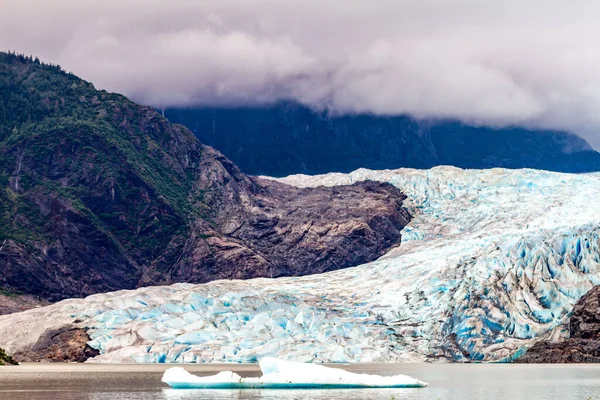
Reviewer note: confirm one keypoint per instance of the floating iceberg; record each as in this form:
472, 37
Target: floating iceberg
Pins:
280, 374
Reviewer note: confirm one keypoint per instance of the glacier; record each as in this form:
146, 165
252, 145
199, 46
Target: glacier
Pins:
492, 262
281, 374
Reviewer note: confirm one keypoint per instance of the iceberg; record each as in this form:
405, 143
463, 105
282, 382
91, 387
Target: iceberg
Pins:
281, 374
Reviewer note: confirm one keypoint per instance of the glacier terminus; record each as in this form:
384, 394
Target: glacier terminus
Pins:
492, 262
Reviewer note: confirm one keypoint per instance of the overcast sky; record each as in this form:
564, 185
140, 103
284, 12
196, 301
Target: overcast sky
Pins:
496, 62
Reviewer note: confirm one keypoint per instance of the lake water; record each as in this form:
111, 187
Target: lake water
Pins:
447, 381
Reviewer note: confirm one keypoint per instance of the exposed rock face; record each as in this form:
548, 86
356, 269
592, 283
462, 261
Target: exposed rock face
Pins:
584, 344
68, 344
585, 319
570, 351
100, 194
270, 229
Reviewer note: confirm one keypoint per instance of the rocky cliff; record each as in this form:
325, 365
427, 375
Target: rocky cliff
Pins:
99, 193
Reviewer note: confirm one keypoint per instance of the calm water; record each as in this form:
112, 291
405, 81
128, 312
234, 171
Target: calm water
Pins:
447, 381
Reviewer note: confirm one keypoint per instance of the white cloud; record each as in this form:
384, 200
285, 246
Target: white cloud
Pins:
497, 62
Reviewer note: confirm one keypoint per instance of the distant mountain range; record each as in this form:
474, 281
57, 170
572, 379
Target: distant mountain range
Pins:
288, 138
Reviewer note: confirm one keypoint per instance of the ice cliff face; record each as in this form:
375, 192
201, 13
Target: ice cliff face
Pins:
492, 261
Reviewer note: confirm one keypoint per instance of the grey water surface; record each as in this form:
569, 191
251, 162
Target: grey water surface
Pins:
446, 381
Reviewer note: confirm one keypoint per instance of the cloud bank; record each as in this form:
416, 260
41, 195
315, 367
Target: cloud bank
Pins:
496, 62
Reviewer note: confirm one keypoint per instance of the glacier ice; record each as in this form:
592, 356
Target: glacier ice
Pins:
281, 374
179, 378
492, 261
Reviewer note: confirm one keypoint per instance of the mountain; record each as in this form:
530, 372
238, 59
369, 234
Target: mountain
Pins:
492, 262
288, 138
98, 193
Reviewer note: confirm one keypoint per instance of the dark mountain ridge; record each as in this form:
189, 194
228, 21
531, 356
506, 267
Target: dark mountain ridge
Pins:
98, 193
288, 138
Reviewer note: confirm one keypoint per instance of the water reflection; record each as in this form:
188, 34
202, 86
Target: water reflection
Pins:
451, 382
249, 394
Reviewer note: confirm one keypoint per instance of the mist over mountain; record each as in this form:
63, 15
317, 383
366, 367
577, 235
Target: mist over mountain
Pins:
499, 63
288, 138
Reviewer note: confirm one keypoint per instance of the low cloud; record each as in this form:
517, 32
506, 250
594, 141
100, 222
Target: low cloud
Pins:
497, 62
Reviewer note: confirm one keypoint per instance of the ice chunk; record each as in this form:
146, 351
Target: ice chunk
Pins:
179, 378
287, 374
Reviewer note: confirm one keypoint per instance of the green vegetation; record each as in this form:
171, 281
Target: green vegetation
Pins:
72, 131
9, 292
76, 160
5, 359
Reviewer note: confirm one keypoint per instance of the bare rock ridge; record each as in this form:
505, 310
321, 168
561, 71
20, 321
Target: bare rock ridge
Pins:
583, 346
100, 194
270, 229
68, 344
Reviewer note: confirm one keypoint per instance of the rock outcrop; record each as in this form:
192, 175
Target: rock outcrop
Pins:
583, 346
585, 319
68, 344
268, 229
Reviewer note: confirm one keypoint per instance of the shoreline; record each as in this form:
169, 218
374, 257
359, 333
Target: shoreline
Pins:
254, 367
